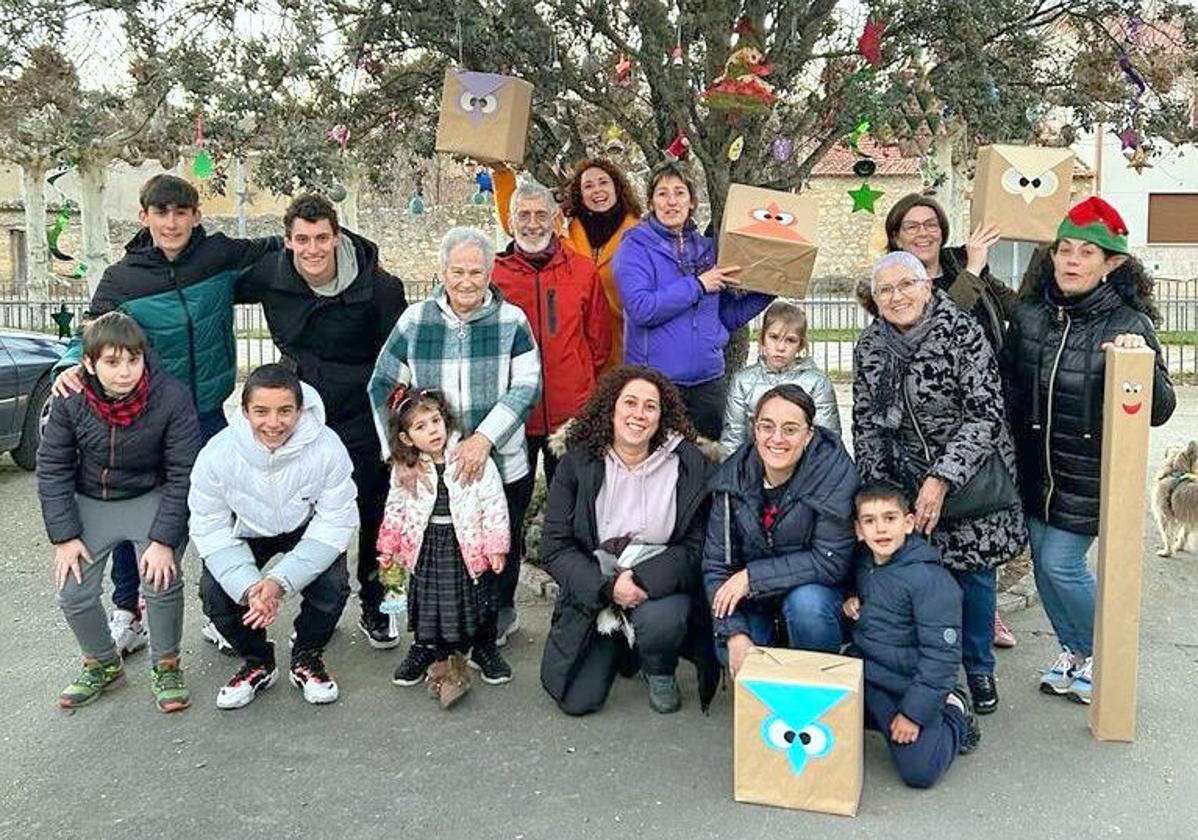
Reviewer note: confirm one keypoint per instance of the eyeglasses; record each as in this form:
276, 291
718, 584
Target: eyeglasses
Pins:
902, 287
402, 398
767, 428
930, 225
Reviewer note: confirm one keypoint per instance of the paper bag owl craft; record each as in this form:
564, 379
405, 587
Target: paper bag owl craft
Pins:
772, 236
1024, 190
484, 116
798, 731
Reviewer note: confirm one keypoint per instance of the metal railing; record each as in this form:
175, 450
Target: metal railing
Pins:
833, 325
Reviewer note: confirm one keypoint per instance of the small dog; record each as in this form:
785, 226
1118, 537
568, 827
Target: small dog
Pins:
1175, 502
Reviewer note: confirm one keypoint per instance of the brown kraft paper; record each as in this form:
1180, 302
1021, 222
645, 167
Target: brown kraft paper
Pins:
771, 235
1024, 190
484, 116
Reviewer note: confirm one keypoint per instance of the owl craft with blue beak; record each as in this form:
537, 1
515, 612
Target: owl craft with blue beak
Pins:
793, 726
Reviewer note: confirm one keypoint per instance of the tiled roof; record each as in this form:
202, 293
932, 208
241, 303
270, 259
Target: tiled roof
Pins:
840, 159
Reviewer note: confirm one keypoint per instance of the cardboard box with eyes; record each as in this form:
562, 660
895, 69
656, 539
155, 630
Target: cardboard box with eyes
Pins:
1024, 190
484, 116
772, 236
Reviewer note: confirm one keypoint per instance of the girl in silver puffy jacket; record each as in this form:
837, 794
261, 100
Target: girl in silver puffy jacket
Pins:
780, 361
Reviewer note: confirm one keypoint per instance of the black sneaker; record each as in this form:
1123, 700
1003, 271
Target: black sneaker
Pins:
488, 661
415, 665
664, 696
973, 732
984, 691
377, 629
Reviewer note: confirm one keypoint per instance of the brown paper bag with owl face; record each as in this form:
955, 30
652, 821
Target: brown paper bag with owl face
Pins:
1024, 190
798, 730
484, 116
771, 235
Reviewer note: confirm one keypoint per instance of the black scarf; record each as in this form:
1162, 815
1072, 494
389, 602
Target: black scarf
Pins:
601, 227
900, 349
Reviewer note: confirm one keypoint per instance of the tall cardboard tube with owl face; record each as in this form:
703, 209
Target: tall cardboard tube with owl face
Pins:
484, 116
1126, 417
1023, 190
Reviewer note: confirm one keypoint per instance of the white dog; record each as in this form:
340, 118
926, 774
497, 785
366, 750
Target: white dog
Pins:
1175, 502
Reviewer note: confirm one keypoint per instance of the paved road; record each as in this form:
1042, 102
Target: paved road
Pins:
385, 762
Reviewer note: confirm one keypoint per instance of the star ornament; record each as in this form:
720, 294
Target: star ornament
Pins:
864, 197
1138, 160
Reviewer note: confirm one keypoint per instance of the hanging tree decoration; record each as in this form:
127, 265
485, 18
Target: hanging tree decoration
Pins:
62, 319
737, 148
864, 197
1138, 160
870, 42
339, 134
742, 88
680, 147
612, 144
676, 54
61, 221
486, 188
202, 166
1129, 138
783, 149
416, 202
624, 71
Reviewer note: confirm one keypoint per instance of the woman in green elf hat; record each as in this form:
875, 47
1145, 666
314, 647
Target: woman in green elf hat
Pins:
1084, 293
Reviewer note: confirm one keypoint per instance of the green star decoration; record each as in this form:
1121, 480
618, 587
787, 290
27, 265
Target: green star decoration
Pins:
864, 197
63, 318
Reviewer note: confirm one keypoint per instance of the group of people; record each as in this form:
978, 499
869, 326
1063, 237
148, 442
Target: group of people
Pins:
689, 515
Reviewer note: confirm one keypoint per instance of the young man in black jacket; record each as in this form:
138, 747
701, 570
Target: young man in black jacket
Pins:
114, 466
330, 307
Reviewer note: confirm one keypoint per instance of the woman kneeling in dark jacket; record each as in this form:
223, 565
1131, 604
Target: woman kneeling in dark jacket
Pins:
780, 537
623, 535
1084, 294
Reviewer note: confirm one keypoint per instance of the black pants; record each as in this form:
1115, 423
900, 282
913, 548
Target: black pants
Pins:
372, 478
921, 763
705, 406
537, 445
660, 626
518, 494
323, 601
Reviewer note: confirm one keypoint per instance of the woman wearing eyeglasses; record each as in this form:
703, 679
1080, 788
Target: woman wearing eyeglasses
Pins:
679, 306
918, 225
928, 415
780, 537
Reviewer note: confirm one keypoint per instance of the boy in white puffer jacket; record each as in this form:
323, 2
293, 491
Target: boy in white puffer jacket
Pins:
277, 481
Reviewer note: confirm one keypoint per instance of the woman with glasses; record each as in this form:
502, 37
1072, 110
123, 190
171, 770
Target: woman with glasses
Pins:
679, 306
928, 415
780, 537
478, 350
918, 225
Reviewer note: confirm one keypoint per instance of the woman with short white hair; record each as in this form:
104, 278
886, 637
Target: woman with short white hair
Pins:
928, 415
478, 350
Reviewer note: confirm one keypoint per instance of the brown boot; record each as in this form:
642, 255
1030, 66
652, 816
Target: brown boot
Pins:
437, 672
456, 683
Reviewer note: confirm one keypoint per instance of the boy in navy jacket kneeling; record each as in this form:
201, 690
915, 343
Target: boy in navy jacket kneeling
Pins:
908, 628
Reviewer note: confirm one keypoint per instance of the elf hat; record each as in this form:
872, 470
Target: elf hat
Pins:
1096, 221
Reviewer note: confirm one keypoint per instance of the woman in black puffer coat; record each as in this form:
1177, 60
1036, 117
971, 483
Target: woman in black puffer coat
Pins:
1083, 293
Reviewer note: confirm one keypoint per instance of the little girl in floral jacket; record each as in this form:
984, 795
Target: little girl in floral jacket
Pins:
440, 547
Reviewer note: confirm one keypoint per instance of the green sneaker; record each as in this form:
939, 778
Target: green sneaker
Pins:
166, 679
95, 678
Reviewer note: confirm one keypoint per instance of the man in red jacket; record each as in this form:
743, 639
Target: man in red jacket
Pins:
562, 297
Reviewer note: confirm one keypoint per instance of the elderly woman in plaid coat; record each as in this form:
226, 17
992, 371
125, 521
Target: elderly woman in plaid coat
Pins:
467, 342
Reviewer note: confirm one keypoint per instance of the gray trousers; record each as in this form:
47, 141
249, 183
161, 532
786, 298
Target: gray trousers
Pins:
105, 526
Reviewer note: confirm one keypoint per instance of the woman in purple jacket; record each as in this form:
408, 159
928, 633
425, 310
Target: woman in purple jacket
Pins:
679, 306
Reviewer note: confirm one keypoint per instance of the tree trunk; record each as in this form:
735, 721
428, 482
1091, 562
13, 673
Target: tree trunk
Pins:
37, 249
349, 205
952, 192
93, 178
241, 193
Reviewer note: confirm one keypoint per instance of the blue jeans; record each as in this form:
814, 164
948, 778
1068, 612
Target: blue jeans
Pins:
1065, 583
811, 613
125, 578
978, 602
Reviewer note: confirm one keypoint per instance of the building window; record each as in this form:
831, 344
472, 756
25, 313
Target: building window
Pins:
1009, 259
1173, 219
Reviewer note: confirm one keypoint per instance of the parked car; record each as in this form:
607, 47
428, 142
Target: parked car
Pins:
26, 362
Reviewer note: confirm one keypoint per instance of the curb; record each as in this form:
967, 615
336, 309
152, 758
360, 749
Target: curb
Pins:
537, 582
1021, 595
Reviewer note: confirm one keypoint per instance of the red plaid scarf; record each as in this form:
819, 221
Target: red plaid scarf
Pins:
120, 412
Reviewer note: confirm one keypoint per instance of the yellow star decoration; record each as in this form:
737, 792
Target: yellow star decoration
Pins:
864, 197
1139, 161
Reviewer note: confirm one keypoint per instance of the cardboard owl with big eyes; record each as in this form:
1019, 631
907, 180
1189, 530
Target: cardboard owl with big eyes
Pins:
798, 730
772, 236
484, 116
1024, 190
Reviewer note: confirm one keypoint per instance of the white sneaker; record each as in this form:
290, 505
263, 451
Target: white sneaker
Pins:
1082, 687
245, 685
309, 675
127, 632
1058, 678
509, 623
211, 634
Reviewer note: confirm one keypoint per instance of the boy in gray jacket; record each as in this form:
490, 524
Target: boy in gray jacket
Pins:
112, 468
277, 481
